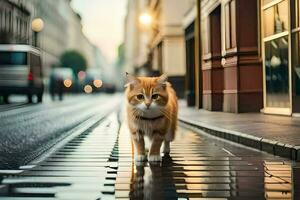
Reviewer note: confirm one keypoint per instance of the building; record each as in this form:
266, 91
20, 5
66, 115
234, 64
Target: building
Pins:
230, 68
136, 39
160, 47
14, 22
249, 60
235, 55
62, 30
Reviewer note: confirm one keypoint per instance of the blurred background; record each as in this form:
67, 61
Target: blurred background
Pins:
222, 55
59, 47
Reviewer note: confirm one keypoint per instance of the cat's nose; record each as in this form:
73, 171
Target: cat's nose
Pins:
147, 105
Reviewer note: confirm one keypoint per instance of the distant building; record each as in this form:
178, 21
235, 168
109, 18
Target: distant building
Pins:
14, 22
62, 29
159, 48
136, 39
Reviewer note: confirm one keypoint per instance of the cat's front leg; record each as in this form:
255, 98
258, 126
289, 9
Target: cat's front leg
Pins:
139, 143
154, 153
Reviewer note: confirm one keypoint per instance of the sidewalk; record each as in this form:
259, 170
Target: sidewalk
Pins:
279, 135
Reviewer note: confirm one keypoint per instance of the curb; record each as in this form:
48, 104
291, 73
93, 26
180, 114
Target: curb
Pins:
271, 146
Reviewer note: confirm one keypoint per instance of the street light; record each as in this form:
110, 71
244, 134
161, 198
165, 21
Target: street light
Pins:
37, 26
145, 19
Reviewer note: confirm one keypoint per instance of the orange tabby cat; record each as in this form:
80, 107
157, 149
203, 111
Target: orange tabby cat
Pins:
151, 111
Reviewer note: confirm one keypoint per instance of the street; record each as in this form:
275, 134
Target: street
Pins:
80, 148
28, 130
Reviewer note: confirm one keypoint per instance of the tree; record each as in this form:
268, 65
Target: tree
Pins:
74, 60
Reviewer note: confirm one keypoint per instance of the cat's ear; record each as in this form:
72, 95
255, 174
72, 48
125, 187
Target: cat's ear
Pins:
162, 79
130, 79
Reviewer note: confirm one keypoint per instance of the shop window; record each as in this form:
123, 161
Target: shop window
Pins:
276, 19
277, 73
230, 26
295, 23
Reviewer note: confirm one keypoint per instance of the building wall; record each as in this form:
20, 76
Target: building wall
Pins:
14, 22
174, 56
231, 63
136, 37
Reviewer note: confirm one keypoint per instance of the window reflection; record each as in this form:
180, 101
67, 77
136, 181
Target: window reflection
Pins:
296, 70
276, 19
276, 70
267, 1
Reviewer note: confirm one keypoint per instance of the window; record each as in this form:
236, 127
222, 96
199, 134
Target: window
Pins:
276, 70
276, 19
13, 58
230, 25
275, 26
295, 24
205, 36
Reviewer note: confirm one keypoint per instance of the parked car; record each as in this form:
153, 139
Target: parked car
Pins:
61, 81
20, 71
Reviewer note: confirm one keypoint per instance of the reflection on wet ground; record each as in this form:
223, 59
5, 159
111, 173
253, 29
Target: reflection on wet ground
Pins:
98, 164
200, 167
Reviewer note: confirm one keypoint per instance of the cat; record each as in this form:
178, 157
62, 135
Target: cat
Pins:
151, 105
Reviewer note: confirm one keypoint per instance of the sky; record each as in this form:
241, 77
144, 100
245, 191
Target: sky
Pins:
103, 23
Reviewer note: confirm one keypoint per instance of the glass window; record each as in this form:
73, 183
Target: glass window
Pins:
227, 26
277, 73
205, 36
296, 70
232, 25
267, 1
13, 58
276, 19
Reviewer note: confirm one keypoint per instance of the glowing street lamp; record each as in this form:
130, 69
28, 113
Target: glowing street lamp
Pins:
145, 19
37, 26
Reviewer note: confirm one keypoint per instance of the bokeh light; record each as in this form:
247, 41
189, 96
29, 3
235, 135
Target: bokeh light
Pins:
97, 83
88, 89
81, 75
67, 83
37, 25
145, 19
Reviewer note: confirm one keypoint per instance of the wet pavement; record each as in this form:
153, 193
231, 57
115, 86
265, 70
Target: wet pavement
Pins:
99, 164
202, 167
27, 130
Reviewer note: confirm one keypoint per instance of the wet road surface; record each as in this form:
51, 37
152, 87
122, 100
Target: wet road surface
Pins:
202, 166
98, 164
27, 130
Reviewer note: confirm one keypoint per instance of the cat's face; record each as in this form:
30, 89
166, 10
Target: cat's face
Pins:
147, 93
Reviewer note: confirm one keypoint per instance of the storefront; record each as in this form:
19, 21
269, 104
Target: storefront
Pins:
280, 26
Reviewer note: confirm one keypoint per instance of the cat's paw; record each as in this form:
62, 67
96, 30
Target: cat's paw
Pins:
140, 158
154, 158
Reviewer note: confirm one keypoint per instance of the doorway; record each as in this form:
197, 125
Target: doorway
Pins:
190, 64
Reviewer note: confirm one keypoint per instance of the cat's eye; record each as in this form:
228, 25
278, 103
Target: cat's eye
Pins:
140, 97
155, 96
